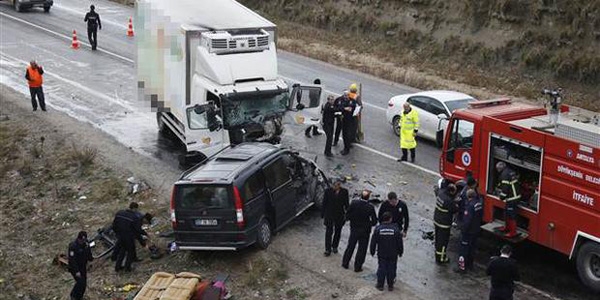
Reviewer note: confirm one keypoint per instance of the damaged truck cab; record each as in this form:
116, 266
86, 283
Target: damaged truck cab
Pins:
209, 70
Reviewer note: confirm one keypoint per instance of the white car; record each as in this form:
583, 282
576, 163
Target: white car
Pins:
433, 108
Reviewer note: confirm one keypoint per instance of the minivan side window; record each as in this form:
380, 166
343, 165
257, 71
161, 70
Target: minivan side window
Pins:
276, 174
254, 186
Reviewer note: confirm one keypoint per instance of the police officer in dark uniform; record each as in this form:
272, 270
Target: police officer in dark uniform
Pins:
445, 207
362, 217
470, 231
387, 239
93, 24
509, 192
335, 205
463, 186
79, 255
328, 118
398, 210
338, 116
128, 227
504, 272
349, 123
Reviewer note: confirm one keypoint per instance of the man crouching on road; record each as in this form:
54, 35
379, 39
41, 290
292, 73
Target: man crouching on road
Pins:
387, 240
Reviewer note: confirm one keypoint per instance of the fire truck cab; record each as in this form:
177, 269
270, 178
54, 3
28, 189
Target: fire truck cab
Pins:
558, 169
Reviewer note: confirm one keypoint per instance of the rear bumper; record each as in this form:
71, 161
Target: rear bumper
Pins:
215, 241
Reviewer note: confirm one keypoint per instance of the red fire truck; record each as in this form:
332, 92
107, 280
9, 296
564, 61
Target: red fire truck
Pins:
558, 168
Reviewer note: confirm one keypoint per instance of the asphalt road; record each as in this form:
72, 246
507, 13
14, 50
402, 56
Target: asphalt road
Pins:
99, 88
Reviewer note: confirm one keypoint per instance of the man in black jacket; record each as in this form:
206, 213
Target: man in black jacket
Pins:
79, 255
470, 231
362, 217
337, 103
445, 207
398, 210
93, 24
387, 239
329, 111
335, 205
349, 123
128, 227
504, 273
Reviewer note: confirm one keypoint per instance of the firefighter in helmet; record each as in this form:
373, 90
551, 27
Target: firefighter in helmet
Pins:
509, 192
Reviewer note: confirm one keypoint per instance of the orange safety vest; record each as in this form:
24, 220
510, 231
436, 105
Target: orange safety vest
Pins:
354, 96
35, 78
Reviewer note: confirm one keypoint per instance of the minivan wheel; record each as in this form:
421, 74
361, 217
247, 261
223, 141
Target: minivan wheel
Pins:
263, 238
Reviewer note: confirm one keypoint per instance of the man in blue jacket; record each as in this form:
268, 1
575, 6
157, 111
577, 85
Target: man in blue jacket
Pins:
470, 231
387, 240
79, 255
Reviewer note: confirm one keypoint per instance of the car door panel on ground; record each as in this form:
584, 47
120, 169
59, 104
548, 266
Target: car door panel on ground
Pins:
279, 184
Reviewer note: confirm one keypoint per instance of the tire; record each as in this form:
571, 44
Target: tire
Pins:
18, 6
395, 126
47, 8
264, 235
588, 265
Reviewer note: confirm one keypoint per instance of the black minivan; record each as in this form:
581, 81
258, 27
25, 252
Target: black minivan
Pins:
242, 195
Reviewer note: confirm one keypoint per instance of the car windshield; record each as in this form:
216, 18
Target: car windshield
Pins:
198, 196
458, 104
244, 108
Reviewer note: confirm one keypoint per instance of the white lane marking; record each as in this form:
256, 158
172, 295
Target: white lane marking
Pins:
337, 94
82, 14
396, 159
65, 37
75, 84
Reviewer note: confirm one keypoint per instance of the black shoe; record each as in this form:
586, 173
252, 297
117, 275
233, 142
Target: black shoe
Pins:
345, 152
335, 251
317, 133
390, 288
43, 109
459, 270
379, 287
34, 109
329, 154
358, 270
334, 144
412, 160
307, 135
345, 266
327, 253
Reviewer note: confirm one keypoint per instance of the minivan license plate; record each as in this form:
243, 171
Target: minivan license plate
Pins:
207, 222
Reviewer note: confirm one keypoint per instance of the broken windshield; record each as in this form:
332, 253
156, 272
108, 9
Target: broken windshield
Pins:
253, 107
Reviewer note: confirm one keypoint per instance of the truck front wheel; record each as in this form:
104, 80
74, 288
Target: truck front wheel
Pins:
588, 265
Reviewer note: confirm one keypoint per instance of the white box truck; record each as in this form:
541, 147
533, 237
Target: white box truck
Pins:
209, 70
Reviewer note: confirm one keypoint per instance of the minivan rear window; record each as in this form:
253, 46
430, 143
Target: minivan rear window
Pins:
197, 196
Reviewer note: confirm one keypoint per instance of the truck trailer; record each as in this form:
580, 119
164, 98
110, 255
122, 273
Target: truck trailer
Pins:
209, 70
558, 168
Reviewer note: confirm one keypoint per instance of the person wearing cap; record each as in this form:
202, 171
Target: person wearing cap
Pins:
387, 241
445, 207
504, 272
128, 226
353, 94
93, 24
398, 210
409, 126
469, 232
338, 116
34, 77
328, 118
335, 205
362, 217
349, 123
79, 254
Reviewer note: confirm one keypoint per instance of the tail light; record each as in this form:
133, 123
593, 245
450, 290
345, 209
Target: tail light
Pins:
390, 103
172, 210
239, 208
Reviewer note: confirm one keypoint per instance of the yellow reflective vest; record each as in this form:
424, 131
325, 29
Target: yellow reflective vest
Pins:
408, 124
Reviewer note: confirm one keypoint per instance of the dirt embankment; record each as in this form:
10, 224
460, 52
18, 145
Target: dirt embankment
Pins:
488, 47
59, 176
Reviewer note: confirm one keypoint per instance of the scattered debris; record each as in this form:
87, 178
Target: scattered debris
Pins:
370, 183
136, 186
82, 198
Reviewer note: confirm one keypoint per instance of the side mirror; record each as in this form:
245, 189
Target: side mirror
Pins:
442, 117
199, 109
439, 138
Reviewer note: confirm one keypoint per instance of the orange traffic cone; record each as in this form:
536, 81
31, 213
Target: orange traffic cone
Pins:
130, 28
75, 43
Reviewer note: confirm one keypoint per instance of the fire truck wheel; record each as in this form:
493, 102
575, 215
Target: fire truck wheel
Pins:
588, 265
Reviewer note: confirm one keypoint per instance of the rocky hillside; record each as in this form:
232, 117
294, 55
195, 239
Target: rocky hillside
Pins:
507, 46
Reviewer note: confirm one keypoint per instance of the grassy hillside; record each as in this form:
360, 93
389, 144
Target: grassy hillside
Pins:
507, 46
